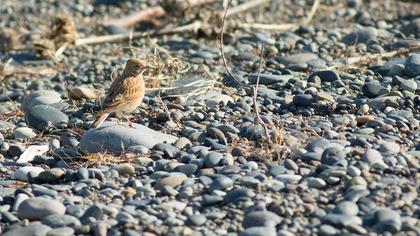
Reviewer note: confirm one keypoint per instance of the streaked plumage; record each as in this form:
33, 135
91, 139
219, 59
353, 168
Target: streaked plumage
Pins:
125, 93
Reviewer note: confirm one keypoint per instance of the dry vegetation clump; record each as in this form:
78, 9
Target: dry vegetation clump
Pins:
8, 39
63, 30
105, 158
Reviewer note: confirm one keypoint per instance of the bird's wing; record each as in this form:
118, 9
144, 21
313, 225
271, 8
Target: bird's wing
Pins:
121, 92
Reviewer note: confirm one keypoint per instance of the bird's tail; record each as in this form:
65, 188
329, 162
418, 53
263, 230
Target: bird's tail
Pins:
99, 120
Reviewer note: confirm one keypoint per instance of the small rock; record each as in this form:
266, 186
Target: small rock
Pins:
115, 138
346, 208
373, 90
62, 231
304, 100
212, 159
22, 173
372, 156
33, 229
412, 65
36, 208
173, 180
365, 36
42, 116
53, 175
80, 93
41, 97
259, 231
261, 219
24, 133
124, 169
183, 143
324, 76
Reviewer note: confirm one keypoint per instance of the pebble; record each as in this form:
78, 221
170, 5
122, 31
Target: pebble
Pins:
114, 138
173, 180
261, 219
32, 229
259, 231
372, 156
36, 208
52, 175
212, 159
22, 172
24, 133
124, 169
41, 117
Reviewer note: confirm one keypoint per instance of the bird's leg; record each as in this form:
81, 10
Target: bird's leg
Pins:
129, 122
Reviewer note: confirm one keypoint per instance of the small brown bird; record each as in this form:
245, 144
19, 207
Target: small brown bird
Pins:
125, 93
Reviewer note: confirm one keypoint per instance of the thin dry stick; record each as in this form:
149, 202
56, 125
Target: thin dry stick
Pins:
262, 26
120, 37
284, 27
222, 49
255, 90
244, 6
311, 14
164, 106
148, 14
358, 59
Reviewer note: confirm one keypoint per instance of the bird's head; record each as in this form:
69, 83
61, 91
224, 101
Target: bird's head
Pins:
134, 67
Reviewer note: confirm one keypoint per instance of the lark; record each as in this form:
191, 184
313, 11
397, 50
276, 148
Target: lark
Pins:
125, 93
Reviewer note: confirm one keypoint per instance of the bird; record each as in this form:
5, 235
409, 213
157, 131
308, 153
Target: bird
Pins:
125, 93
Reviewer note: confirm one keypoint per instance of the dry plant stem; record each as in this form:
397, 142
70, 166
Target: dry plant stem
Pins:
120, 37
164, 106
61, 50
255, 90
358, 59
244, 7
149, 13
222, 49
311, 14
283, 27
274, 27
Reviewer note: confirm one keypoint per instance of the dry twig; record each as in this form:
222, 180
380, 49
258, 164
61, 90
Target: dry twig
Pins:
222, 49
164, 106
347, 62
255, 93
120, 37
148, 14
244, 6
284, 27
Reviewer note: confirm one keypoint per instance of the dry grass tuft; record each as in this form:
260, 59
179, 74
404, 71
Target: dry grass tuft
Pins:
105, 158
44, 49
63, 30
7, 70
8, 39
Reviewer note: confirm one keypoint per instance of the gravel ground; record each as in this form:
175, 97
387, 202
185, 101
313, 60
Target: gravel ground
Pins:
344, 147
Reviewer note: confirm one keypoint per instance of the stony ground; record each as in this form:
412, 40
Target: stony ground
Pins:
340, 98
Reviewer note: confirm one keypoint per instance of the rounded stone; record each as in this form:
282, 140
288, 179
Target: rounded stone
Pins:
173, 180
261, 219
58, 221
124, 169
52, 175
346, 208
372, 156
63, 231
33, 229
41, 97
24, 133
36, 208
212, 159
116, 138
42, 116
22, 173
